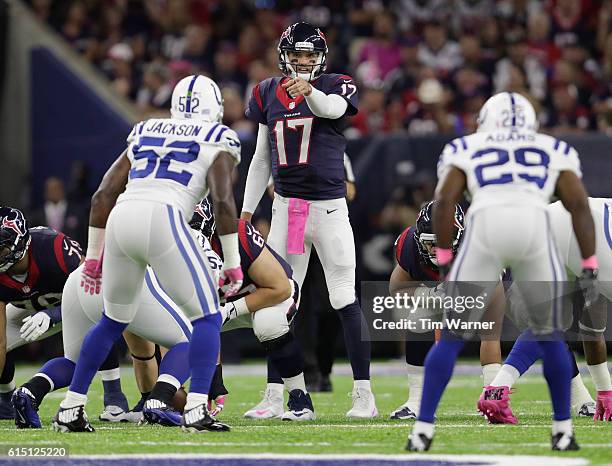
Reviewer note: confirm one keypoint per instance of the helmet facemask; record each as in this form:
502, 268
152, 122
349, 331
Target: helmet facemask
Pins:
309, 71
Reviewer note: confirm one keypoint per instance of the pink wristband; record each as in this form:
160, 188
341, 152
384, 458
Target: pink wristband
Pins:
444, 256
590, 262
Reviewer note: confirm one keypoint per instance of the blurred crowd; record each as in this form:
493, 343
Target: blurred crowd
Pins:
423, 66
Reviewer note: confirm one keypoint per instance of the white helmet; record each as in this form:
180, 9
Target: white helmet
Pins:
507, 111
197, 97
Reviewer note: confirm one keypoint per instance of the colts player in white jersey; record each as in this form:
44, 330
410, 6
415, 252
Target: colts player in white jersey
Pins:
169, 165
592, 321
511, 172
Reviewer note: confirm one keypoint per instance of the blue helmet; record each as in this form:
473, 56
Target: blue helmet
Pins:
14, 237
203, 218
425, 237
302, 37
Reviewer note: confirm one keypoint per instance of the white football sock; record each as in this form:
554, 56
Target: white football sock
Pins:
73, 399
365, 384
600, 375
506, 377
195, 399
276, 388
489, 371
416, 374
295, 383
562, 427
579, 395
421, 427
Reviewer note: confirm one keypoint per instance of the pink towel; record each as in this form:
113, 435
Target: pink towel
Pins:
296, 225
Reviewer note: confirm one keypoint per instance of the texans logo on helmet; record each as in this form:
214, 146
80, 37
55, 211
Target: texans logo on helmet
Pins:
16, 225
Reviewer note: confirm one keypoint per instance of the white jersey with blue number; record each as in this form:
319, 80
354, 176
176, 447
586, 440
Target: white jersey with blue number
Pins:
171, 157
509, 168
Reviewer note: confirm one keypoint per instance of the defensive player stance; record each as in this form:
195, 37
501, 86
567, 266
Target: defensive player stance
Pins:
592, 323
267, 299
300, 142
34, 265
168, 167
417, 264
157, 319
511, 172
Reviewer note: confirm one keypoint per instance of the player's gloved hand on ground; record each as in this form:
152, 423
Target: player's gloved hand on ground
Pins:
91, 276
216, 406
587, 281
231, 281
603, 407
34, 326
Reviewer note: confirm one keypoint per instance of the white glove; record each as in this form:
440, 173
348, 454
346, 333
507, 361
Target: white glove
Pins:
34, 326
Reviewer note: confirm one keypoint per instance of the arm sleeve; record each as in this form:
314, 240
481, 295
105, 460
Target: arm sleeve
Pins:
54, 313
259, 172
331, 106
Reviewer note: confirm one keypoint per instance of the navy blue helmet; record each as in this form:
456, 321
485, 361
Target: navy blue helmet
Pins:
203, 218
302, 37
14, 237
425, 237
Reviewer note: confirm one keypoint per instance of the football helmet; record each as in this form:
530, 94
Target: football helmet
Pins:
507, 111
197, 97
203, 219
302, 37
425, 237
14, 237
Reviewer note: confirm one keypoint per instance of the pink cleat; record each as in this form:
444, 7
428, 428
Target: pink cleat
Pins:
494, 403
603, 408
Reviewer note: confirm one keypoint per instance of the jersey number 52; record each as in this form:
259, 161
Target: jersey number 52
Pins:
160, 163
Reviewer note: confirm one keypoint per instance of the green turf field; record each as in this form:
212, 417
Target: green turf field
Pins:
459, 430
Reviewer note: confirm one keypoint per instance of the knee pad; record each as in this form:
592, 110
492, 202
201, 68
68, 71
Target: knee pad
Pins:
277, 343
341, 297
593, 320
270, 323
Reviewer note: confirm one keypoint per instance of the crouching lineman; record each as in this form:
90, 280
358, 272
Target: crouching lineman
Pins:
157, 319
266, 302
592, 324
416, 263
34, 265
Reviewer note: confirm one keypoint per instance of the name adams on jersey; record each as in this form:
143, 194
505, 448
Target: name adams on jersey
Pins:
52, 257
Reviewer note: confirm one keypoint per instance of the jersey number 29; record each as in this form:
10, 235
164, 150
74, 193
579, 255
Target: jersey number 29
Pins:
160, 163
533, 166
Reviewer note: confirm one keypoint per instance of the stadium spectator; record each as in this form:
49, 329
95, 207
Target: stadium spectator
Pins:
156, 91
437, 50
382, 50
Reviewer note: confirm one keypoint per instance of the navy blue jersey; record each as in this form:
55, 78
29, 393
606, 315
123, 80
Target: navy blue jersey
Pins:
409, 258
251, 246
307, 151
52, 257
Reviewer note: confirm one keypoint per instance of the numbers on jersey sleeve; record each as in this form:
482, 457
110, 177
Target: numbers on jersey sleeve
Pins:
189, 151
255, 236
304, 125
535, 162
348, 90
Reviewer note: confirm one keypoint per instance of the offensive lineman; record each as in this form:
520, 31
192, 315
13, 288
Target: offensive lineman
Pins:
300, 142
169, 165
511, 172
34, 265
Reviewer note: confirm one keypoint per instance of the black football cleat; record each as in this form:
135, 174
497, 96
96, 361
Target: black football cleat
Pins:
198, 420
564, 442
419, 442
72, 420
